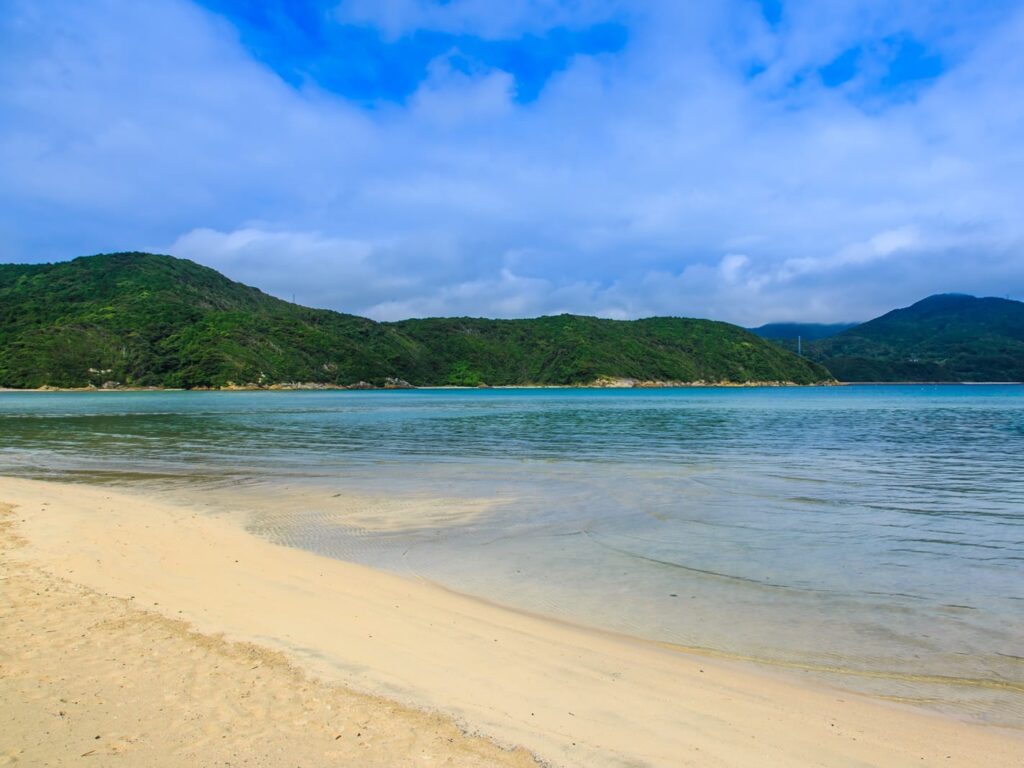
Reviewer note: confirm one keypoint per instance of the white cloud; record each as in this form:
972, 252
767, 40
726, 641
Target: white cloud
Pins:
450, 97
731, 266
878, 247
663, 180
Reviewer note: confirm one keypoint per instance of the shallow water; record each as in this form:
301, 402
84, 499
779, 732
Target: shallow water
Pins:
873, 536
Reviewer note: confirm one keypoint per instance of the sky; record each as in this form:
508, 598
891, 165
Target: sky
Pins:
780, 160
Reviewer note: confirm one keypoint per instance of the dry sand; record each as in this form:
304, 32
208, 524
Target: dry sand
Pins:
90, 679
180, 639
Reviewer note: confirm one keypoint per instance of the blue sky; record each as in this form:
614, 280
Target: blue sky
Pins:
742, 160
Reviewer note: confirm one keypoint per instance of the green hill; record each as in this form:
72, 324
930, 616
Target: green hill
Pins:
146, 320
948, 337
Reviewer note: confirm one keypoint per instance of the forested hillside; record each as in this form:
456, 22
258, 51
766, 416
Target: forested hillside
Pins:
948, 337
140, 319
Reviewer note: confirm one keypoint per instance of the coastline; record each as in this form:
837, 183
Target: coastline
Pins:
318, 387
611, 384
570, 695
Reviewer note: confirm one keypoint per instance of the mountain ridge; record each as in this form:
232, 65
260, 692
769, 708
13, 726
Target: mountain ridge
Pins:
947, 337
138, 319
805, 331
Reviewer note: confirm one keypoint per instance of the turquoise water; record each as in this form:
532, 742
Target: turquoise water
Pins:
870, 536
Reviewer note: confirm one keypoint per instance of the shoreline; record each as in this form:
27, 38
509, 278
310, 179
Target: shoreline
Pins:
314, 387
571, 695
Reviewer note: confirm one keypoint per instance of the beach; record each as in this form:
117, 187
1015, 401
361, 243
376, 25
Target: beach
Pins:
180, 638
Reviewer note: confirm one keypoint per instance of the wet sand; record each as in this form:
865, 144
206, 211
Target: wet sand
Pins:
180, 639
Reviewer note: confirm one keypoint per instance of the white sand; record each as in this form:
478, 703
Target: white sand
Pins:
572, 696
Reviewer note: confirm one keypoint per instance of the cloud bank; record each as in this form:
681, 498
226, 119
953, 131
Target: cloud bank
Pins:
739, 160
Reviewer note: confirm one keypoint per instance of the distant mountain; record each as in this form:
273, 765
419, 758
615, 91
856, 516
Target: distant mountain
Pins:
148, 320
806, 331
948, 337
786, 334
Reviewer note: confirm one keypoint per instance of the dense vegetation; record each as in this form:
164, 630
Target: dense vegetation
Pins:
146, 320
573, 349
949, 337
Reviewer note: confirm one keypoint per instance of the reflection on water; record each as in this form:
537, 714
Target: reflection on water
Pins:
873, 535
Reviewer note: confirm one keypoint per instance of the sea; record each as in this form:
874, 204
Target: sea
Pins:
867, 537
